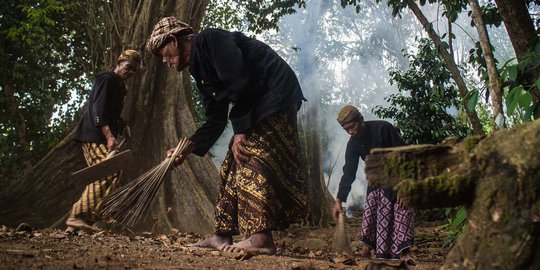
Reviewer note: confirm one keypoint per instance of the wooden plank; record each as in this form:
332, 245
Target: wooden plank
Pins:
105, 168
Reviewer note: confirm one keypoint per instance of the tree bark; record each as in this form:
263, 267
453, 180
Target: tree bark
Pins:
20, 124
520, 28
495, 85
496, 177
450, 64
518, 23
450, 39
159, 111
320, 198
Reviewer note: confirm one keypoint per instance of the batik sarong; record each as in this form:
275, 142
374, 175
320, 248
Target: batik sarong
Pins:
386, 228
266, 193
87, 207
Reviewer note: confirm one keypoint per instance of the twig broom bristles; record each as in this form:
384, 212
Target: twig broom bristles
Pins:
341, 244
131, 202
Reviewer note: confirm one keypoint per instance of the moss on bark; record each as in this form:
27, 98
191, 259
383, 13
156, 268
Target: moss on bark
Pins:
497, 177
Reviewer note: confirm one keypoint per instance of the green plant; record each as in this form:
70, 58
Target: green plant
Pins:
518, 91
456, 224
427, 105
43, 79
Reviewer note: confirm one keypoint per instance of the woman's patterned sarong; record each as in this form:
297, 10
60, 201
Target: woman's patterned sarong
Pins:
87, 207
386, 228
266, 193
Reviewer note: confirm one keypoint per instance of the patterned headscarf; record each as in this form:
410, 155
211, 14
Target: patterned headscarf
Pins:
130, 55
347, 114
165, 28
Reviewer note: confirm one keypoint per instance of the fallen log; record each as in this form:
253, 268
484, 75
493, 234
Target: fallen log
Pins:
497, 177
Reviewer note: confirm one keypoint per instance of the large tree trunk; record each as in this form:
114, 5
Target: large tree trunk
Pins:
520, 28
450, 65
319, 196
497, 177
159, 112
518, 23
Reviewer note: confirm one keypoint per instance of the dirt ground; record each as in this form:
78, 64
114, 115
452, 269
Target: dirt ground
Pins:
298, 248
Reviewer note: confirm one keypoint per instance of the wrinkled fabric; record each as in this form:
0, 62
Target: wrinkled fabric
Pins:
266, 193
165, 28
130, 55
87, 207
347, 114
386, 228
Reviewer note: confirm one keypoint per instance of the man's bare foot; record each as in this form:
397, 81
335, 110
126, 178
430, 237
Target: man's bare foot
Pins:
215, 241
407, 259
70, 230
364, 252
258, 243
76, 223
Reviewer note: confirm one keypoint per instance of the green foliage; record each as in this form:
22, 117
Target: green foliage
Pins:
517, 96
38, 75
451, 8
250, 16
455, 225
518, 91
484, 114
491, 15
264, 15
425, 97
396, 5
472, 99
225, 14
476, 58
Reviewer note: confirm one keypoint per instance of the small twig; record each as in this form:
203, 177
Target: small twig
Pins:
136, 15
113, 21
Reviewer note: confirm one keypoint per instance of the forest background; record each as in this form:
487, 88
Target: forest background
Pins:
426, 66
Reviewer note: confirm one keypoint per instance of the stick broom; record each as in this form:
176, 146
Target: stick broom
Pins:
131, 202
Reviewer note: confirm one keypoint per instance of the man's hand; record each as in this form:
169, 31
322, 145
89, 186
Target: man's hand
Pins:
240, 152
179, 158
403, 202
112, 144
337, 209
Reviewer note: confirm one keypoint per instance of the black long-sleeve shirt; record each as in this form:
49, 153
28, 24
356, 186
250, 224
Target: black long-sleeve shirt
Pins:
104, 108
378, 134
230, 68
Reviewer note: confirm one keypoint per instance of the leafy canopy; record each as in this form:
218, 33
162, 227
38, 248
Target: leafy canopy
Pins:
425, 99
38, 77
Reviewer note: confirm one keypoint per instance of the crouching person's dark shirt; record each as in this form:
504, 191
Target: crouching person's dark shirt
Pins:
104, 108
232, 69
378, 134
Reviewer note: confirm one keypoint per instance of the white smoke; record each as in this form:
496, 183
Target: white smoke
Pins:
349, 55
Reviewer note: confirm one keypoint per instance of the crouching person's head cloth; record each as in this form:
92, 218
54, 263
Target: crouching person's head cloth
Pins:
165, 28
130, 55
347, 114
